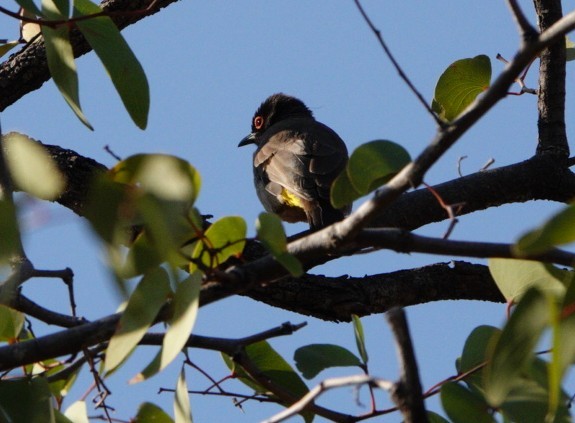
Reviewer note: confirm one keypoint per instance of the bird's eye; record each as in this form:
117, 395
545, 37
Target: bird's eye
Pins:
258, 122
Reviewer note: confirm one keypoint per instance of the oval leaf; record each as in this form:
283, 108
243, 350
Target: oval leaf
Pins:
182, 409
374, 163
62, 65
120, 62
359, 338
32, 168
343, 192
460, 84
511, 352
464, 406
141, 311
272, 235
185, 310
11, 323
151, 413
515, 277
225, 238
312, 359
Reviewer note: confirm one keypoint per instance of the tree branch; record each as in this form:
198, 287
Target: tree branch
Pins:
27, 70
551, 98
407, 392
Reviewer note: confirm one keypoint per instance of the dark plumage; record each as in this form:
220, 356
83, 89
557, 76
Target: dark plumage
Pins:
296, 162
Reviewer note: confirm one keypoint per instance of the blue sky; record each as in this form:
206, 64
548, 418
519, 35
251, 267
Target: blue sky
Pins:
210, 64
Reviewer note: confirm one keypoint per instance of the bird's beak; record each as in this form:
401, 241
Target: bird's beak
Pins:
250, 139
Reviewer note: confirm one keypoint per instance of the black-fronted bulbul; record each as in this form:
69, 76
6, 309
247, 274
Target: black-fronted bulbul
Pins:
296, 162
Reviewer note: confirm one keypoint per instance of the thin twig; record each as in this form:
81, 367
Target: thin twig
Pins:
324, 386
525, 28
397, 67
407, 392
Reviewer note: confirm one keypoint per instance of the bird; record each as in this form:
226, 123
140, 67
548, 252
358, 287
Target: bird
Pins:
296, 161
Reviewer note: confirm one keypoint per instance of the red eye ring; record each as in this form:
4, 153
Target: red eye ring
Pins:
258, 122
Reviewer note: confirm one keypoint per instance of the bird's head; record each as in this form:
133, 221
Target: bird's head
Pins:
274, 109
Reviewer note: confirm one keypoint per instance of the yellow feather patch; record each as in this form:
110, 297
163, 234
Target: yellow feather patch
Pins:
290, 199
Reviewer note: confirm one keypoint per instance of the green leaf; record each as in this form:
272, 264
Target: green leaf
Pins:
464, 406
512, 351
459, 85
570, 45
185, 310
31, 167
558, 230
435, 418
9, 231
30, 6
77, 412
120, 62
6, 47
272, 235
140, 313
374, 163
515, 277
225, 238
182, 409
62, 66
359, 338
164, 176
11, 323
56, 9
343, 192
151, 413
474, 354
528, 400
26, 400
312, 359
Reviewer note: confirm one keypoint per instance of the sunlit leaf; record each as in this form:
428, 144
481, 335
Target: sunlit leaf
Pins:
515, 277
151, 413
165, 176
272, 235
459, 85
26, 400
141, 310
359, 338
464, 406
54, 9
558, 230
29, 30
225, 238
512, 351
62, 65
182, 409
11, 323
77, 412
313, 359
32, 168
185, 310
374, 163
122, 65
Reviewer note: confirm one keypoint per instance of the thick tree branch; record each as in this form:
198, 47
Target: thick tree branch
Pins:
27, 70
551, 100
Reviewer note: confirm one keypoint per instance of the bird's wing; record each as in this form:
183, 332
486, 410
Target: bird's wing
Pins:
305, 163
